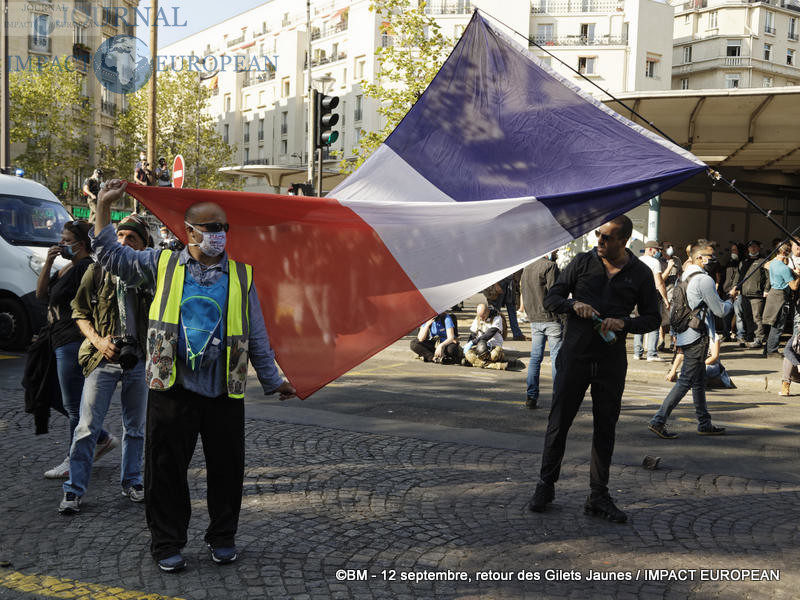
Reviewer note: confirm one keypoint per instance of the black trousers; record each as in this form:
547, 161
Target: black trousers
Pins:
427, 348
174, 419
573, 377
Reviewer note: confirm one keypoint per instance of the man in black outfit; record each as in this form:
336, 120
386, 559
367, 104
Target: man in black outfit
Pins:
605, 283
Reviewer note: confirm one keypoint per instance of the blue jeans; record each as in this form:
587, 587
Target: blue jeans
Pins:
70, 379
741, 319
549, 331
693, 376
775, 331
652, 344
100, 386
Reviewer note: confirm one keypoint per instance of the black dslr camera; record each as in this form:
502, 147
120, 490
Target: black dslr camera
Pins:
127, 345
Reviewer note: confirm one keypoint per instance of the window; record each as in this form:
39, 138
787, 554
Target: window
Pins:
650, 67
712, 19
246, 155
246, 129
261, 129
767, 82
79, 34
732, 80
545, 32
284, 122
685, 83
769, 23
344, 77
687, 54
586, 65
587, 33
246, 103
40, 36
358, 114
262, 95
285, 88
227, 103
687, 18
767, 51
361, 66
284, 147
734, 48
225, 131
790, 57
793, 28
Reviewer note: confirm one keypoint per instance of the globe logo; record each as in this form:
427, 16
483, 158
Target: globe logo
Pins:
122, 64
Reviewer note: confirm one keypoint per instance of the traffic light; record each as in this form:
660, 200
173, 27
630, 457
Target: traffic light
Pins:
325, 119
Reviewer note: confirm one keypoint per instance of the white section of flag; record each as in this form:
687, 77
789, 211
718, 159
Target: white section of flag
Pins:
448, 249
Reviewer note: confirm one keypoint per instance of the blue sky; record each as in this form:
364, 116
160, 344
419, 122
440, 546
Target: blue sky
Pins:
196, 14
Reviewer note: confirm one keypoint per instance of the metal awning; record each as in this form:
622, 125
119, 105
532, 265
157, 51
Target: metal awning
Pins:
282, 176
754, 129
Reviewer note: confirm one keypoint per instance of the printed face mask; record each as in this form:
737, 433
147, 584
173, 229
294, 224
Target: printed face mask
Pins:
213, 243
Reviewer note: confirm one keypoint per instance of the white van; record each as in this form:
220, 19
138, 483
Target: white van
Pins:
31, 221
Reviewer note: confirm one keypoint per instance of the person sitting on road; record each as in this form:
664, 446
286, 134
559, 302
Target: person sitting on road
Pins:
437, 340
485, 346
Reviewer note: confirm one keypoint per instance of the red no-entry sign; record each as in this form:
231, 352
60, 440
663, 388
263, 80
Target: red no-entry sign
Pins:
177, 171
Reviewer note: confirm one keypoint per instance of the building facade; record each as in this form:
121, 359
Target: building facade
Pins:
736, 44
48, 30
619, 44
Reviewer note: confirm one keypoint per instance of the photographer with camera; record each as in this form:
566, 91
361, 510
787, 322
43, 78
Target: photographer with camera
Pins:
113, 318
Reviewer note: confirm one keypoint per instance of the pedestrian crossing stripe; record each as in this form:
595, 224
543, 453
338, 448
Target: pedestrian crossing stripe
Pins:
55, 587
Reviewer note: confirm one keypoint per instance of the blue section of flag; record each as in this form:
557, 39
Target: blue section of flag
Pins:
494, 124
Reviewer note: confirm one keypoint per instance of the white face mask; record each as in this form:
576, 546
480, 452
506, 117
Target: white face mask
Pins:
734, 256
213, 243
670, 251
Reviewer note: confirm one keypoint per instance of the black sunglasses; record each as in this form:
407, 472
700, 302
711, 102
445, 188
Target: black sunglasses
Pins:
603, 236
213, 227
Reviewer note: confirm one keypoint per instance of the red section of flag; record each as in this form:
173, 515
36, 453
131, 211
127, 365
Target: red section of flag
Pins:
331, 293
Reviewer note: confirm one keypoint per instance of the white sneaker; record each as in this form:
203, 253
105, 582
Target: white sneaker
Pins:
135, 492
102, 449
59, 472
70, 504
656, 359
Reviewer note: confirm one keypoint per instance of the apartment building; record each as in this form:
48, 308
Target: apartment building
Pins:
620, 44
56, 29
736, 44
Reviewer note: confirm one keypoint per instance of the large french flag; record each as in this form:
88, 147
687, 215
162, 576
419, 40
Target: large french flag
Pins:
498, 162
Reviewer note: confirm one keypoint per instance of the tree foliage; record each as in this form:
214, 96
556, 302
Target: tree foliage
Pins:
183, 126
406, 66
49, 115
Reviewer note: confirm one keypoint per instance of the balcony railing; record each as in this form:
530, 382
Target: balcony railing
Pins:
39, 43
251, 79
791, 6
463, 7
695, 4
734, 61
236, 40
769, 30
579, 40
563, 7
358, 114
317, 34
257, 161
792, 36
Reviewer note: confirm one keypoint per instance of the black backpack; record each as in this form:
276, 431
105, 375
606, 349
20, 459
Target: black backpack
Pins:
681, 316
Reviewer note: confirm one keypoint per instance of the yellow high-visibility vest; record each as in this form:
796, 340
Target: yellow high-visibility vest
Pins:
164, 323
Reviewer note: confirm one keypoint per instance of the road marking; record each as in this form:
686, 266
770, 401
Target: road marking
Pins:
54, 587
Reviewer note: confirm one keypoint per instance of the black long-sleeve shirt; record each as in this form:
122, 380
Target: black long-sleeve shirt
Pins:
586, 279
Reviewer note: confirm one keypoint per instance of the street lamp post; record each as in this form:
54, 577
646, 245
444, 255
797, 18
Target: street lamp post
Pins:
201, 78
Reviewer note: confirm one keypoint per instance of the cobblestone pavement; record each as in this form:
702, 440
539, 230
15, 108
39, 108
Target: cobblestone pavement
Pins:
322, 502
